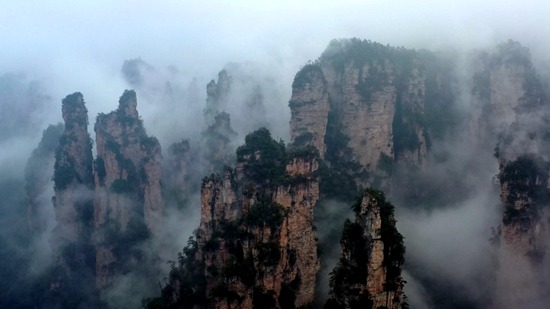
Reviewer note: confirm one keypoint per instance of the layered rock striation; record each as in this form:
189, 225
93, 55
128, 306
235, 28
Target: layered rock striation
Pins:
128, 203
256, 246
361, 103
520, 116
73, 253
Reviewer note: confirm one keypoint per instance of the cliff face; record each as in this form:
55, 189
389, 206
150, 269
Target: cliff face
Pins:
128, 204
369, 272
360, 102
524, 232
255, 247
507, 86
522, 120
73, 205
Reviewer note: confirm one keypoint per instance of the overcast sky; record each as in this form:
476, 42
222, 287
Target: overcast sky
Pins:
80, 45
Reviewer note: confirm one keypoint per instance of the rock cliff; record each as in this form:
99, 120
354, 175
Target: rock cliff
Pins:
517, 110
255, 247
128, 204
368, 274
73, 204
506, 86
361, 103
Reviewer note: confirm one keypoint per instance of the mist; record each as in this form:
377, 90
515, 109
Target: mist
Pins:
176, 48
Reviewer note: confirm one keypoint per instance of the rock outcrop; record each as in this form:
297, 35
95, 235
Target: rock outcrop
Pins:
73, 204
368, 274
256, 246
506, 86
128, 204
217, 96
361, 102
517, 110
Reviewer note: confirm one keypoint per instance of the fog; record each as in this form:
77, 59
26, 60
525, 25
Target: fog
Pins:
54, 48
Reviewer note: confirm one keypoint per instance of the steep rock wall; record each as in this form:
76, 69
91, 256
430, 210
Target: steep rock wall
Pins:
369, 272
359, 102
128, 203
73, 205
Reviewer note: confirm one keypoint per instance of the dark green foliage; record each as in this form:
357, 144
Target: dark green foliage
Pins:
356, 51
352, 270
309, 72
99, 168
440, 109
242, 269
376, 80
122, 186
265, 213
265, 158
268, 253
337, 180
526, 180
303, 139
222, 291
511, 52
337, 183
288, 293
263, 299
63, 176
405, 126
394, 248
74, 111
211, 245
386, 164
150, 143
525, 176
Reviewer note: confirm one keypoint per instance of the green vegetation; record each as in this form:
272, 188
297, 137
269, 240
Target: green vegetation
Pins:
352, 268
265, 213
265, 158
63, 176
263, 299
122, 186
303, 139
74, 111
99, 168
386, 164
269, 253
338, 172
526, 180
525, 176
308, 73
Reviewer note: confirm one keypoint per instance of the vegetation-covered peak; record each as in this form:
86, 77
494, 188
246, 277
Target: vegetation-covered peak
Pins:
128, 100
512, 52
361, 52
74, 110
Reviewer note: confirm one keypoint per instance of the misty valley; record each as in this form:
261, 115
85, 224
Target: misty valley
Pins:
391, 177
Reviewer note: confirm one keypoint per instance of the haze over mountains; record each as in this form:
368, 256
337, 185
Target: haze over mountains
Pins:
255, 130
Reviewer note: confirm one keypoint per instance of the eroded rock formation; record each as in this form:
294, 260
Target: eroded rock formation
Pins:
255, 247
369, 272
73, 204
128, 204
360, 103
